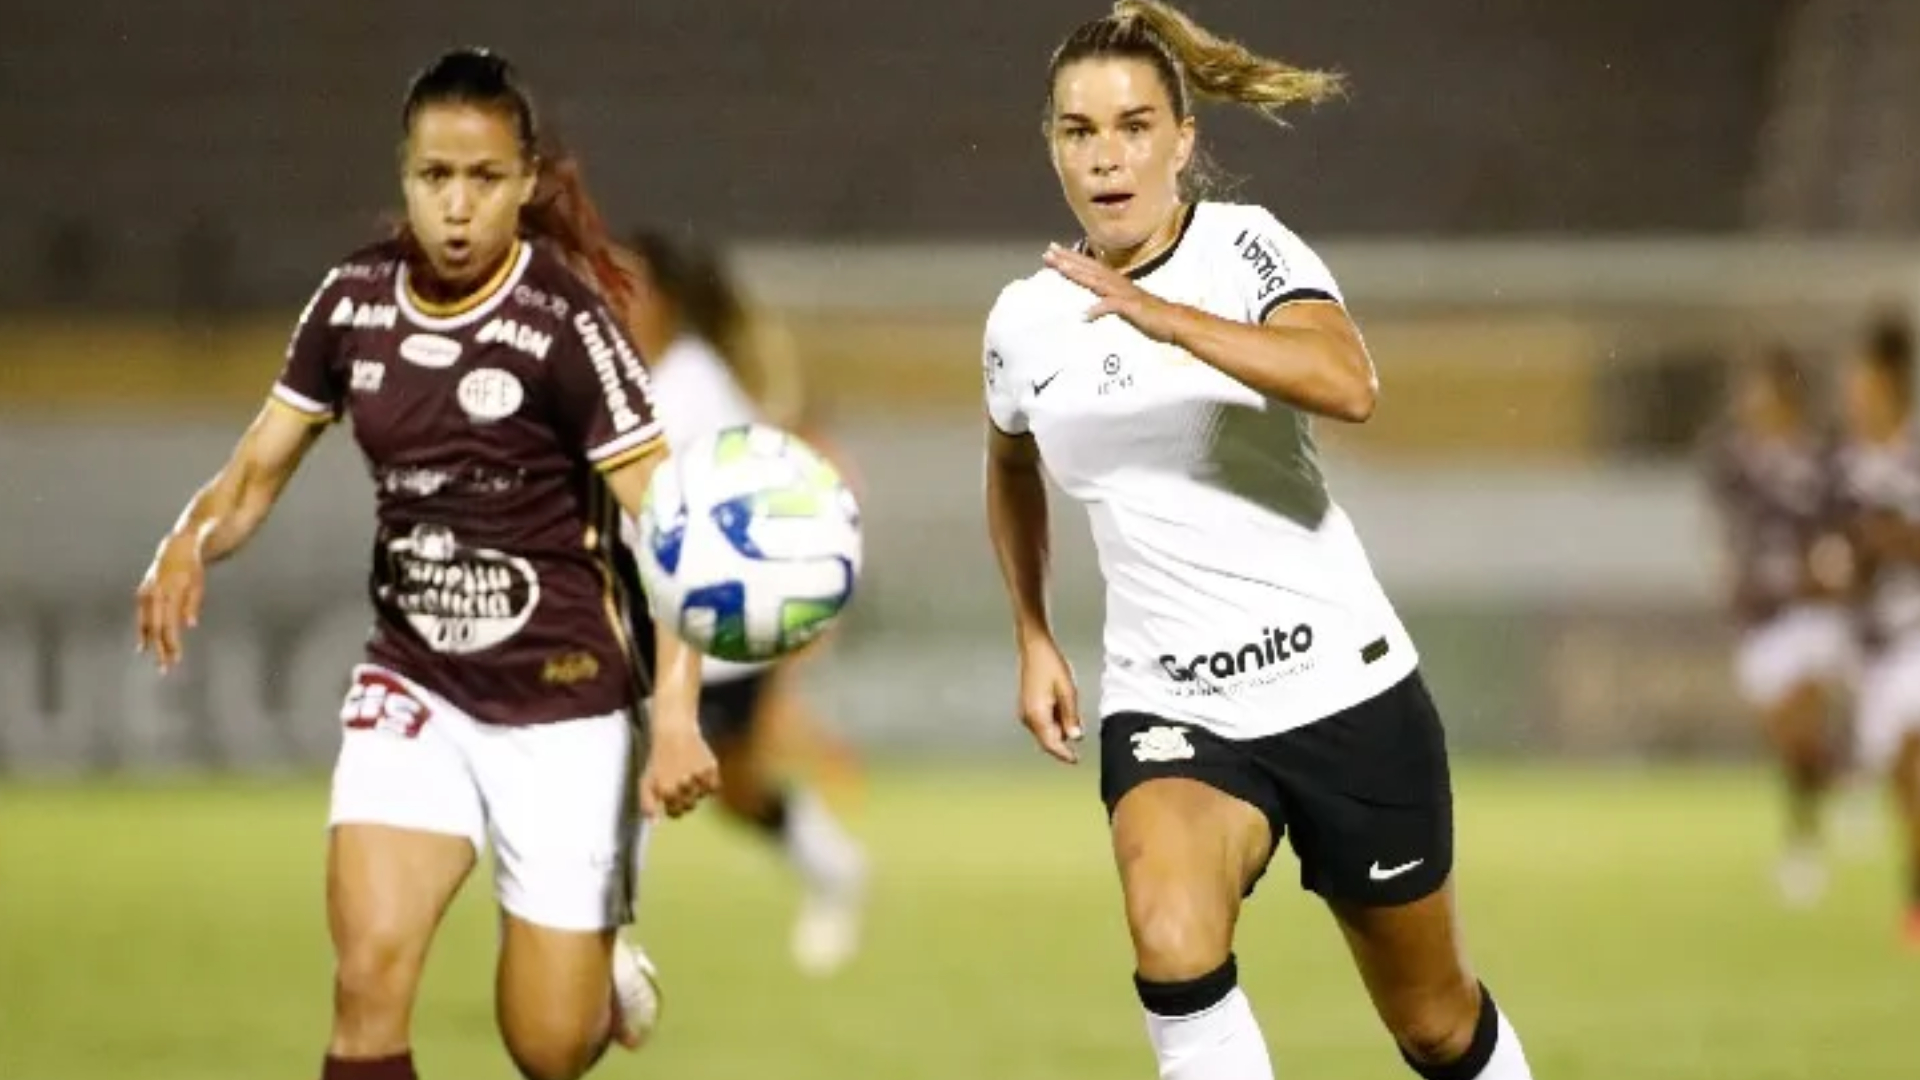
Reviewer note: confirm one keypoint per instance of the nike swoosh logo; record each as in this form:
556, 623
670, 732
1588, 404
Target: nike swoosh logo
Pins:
1378, 874
1042, 384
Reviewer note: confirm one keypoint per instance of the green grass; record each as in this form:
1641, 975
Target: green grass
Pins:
1625, 919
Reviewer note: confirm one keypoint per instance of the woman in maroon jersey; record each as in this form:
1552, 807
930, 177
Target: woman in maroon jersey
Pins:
1770, 473
505, 420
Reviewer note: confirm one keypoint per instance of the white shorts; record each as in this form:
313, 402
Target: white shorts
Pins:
1888, 708
556, 801
1805, 644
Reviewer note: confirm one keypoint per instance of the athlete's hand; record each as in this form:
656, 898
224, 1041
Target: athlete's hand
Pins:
1049, 705
1118, 294
167, 604
681, 769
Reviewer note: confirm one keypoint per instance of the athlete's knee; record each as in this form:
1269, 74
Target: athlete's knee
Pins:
375, 974
1180, 931
1436, 1025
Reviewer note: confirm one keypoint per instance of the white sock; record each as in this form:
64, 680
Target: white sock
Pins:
1509, 1062
1221, 1042
820, 850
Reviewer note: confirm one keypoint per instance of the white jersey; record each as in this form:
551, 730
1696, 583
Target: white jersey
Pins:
694, 393
1238, 596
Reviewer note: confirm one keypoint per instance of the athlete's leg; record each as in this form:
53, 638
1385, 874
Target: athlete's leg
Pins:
387, 889
1416, 972
1187, 853
1796, 724
564, 825
406, 819
1906, 788
750, 728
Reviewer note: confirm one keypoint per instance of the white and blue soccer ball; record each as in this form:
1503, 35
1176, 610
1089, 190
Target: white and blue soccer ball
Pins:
748, 543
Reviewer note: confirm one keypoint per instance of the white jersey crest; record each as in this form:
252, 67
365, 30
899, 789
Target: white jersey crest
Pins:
1238, 595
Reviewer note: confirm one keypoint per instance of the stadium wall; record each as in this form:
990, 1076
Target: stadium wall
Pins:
1556, 566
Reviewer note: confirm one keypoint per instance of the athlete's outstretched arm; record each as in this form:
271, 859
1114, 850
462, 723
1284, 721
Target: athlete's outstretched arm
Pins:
1307, 353
1018, 524
680, 769
226, 512
219, 520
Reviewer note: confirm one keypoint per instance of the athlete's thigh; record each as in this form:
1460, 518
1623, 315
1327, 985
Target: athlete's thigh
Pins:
387, 889
553, 985
405, 815
1369, 798
563, 818
1193, 823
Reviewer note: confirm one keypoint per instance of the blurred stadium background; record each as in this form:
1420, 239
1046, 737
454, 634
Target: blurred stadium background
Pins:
1559, 225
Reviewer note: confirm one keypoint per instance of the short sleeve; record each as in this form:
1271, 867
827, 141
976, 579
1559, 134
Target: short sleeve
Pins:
1271, 266
309, 382
1003, 398
602, 391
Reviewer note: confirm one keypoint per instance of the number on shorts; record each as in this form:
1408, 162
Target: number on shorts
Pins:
379, 701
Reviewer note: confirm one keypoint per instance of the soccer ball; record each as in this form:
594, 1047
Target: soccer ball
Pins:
748, 543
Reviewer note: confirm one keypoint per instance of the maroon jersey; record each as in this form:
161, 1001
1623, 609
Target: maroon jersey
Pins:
1775, 498
1884, 480
485, 426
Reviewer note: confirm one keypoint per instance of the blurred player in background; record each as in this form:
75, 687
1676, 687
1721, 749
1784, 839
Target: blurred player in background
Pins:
710, 371
504, 419
1881, 464
1258, 682
1771, 475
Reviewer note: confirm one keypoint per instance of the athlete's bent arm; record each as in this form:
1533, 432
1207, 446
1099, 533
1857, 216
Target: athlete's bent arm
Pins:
219, 520
230, 508
676, 785
1017, 522
1308, 354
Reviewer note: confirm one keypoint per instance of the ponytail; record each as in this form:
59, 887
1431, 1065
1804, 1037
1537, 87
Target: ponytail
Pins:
1195, 62
1221, 69
562, 213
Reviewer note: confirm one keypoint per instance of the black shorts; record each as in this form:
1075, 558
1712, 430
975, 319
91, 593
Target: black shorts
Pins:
727, 709
1364, 795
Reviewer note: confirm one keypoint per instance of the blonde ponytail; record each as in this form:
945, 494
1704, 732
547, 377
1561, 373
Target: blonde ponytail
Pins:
1220, 69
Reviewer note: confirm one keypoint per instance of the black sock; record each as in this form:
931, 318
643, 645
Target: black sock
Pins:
397, 1067
1190, 997
1486, 1031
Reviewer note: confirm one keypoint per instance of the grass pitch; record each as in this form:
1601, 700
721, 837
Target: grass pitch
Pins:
1626, 920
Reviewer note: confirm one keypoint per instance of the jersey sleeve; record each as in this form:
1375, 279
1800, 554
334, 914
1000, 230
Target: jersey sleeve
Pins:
309, 381
1002, 392
1271, 266
602, 391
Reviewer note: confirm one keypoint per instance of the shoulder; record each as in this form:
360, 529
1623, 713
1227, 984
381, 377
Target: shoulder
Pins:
1270, 262
369, 269
551, 290
1025, 301
1247, 232
1214, 220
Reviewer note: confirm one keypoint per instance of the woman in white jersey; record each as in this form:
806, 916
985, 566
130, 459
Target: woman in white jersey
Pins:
1257, 682
687, 315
